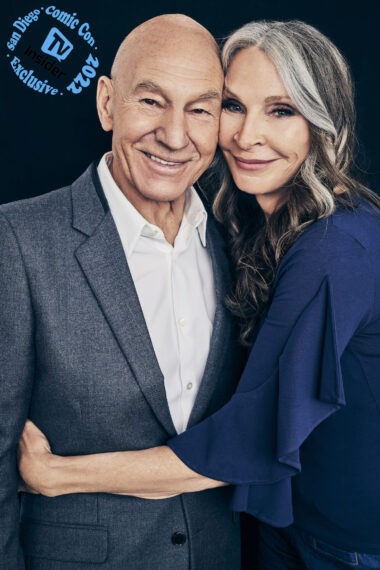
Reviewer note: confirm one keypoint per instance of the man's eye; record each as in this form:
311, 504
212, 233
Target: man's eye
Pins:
150, 102
200, 111
231, 106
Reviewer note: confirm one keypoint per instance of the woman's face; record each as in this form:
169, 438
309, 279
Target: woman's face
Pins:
263, 137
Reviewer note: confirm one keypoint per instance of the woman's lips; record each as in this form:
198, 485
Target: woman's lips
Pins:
253, 164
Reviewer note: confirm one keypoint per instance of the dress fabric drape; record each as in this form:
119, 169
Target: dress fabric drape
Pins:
323, 301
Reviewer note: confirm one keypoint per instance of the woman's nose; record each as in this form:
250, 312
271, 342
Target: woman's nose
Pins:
251, 133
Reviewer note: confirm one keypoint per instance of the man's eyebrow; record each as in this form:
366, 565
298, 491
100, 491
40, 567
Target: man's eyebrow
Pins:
151, 86
148, 85
209, 95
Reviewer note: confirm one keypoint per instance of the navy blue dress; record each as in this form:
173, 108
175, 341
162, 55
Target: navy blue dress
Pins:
300, 438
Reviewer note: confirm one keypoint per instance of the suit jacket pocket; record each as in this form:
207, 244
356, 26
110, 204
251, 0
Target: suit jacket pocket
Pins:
64, 542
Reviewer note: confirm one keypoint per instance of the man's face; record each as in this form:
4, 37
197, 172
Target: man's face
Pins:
165, 117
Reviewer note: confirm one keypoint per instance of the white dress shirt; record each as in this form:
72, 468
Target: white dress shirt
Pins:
175, 288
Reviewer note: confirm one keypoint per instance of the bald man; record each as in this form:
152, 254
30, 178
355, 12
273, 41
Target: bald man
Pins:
113, 331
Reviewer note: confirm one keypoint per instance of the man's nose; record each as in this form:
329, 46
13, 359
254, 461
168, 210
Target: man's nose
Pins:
173, 130
252, 131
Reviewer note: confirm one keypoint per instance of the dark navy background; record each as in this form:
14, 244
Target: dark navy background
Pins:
47, 141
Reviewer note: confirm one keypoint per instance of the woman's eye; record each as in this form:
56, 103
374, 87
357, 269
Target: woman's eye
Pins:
282, 112
231, 106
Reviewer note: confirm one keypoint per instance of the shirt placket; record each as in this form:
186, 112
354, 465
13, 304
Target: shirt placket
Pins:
182, 316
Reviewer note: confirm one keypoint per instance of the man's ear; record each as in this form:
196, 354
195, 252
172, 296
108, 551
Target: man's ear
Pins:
104, 102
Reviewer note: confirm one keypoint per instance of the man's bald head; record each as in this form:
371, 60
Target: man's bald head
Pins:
166, 33
163, 105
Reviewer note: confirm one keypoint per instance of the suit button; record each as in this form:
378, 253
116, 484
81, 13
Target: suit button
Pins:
179, 538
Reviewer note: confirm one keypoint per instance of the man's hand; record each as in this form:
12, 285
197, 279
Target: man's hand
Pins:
34, 459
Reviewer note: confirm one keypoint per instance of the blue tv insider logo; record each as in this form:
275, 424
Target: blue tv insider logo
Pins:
56, 59
57, 45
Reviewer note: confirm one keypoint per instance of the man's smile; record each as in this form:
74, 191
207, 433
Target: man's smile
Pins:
162, 163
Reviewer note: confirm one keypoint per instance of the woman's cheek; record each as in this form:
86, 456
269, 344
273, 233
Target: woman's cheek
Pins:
227, 129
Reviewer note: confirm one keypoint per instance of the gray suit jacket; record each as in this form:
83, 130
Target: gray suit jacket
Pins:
76, 357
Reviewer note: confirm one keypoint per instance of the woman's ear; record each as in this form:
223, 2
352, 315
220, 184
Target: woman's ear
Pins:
104, 102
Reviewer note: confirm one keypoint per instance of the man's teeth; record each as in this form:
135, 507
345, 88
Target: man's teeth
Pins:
156, 159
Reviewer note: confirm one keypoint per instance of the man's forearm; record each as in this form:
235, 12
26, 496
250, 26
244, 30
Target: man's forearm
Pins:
152, 473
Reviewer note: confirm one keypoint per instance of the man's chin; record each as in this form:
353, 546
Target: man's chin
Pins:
163, 190
164, 195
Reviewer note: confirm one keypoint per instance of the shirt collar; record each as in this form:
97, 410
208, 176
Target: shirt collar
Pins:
131, 224
195, 214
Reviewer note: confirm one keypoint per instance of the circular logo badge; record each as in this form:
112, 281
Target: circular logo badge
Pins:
53, 52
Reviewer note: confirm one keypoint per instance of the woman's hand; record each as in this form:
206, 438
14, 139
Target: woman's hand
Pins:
154, 473
39, 467
35, 461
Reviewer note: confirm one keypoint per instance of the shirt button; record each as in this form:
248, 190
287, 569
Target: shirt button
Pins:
189, 385
182, 321
178, 538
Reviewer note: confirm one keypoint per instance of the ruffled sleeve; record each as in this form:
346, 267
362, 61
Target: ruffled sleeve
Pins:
292, 383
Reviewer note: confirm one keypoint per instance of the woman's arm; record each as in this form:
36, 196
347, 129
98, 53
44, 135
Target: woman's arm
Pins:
292, 383
154, 473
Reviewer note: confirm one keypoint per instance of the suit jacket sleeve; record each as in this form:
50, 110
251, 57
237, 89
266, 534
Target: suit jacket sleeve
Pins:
16, 376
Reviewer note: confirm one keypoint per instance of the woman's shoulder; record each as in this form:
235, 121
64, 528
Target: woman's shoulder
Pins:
358, 227
347, 238
361, 223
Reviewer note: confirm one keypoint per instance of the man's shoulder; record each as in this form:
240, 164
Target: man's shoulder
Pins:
50, 208
37, 221
38, 204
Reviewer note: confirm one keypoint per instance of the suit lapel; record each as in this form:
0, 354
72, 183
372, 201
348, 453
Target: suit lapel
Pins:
222, 324
102, 259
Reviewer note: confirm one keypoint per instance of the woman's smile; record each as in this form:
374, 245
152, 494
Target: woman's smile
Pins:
263, 136
253, 164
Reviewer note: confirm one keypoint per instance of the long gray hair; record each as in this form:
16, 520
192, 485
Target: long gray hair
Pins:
318, 81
